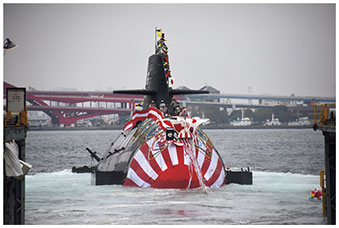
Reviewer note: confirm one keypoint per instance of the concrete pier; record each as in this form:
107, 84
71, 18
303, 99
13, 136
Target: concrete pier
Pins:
330, 176
15, 129
327, 124
14, 189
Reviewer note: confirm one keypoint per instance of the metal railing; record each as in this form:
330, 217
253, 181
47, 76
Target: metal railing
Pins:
321, 114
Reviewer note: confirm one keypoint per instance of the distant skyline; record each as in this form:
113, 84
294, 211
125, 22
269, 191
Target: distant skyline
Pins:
277, 49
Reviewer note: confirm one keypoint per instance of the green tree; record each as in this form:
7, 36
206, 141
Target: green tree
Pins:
261, 115
282, 113
222, 117
248, 113
236, 114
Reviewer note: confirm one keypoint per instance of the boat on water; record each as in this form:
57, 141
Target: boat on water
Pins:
161, 146
301, 121
272, 122
244, 121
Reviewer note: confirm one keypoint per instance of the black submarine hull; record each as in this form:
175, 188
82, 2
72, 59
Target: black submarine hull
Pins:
108, 178
118, 178
161, 146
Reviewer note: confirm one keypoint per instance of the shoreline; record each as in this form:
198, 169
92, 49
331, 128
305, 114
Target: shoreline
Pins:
203, 127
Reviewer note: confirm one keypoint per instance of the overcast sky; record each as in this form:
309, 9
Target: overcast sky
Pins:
276, 49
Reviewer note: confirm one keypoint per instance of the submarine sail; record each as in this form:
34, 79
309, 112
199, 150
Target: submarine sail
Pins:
161, 146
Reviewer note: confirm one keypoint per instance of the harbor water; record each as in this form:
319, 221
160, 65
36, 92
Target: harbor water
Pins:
285, 164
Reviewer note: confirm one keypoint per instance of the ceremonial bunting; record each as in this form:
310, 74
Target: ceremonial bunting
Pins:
137, 116
171, 167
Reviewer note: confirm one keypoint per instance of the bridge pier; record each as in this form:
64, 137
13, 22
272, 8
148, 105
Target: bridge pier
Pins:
55, 120
123, 118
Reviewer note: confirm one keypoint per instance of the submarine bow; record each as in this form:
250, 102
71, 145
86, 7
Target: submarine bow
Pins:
166, 160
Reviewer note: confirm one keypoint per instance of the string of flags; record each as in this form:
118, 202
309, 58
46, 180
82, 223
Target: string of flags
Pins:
162, 50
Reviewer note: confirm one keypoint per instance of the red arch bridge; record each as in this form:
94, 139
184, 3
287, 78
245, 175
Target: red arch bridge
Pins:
66, 108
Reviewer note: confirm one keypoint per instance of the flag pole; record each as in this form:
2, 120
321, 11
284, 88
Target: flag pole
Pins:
155, 40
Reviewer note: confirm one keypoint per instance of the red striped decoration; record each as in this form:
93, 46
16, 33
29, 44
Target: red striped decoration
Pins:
170, 167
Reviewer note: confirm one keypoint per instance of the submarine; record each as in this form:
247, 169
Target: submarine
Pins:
161, 146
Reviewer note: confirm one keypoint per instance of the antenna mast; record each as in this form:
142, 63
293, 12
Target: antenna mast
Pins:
155, 40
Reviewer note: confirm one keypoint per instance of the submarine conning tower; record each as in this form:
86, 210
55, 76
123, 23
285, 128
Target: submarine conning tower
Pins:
156, 81
159, 81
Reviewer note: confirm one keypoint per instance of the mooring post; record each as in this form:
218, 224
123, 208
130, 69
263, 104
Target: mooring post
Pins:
330, 176
328, 127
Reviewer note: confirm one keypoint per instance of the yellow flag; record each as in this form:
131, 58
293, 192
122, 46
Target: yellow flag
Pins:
159, 33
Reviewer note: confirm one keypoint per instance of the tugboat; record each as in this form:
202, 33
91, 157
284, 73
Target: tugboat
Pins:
273, 122
161, 146
244, 121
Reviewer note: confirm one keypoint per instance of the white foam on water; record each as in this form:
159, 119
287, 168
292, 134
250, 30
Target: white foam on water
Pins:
274, 198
